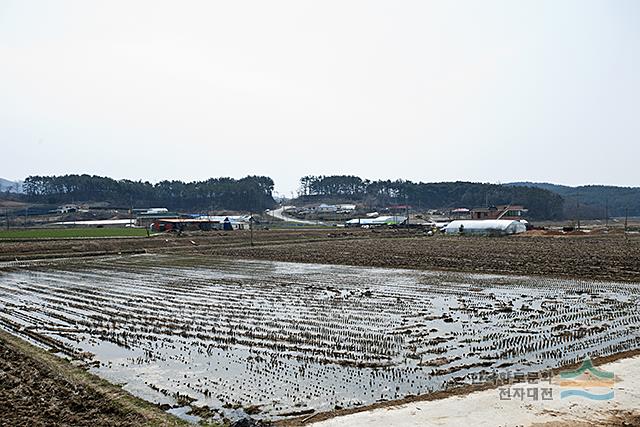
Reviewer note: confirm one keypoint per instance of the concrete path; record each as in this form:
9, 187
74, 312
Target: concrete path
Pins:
486, 408
279, 213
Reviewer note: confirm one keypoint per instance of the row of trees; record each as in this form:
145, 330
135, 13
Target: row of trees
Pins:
246, 194
254, 193
336, 185
542, 204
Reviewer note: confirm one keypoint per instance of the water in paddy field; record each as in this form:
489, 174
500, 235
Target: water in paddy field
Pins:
284, 338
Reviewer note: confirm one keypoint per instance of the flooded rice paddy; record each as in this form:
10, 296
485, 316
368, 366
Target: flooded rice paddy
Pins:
277, 339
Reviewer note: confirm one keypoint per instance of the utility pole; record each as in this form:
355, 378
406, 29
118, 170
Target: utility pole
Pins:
6, 216
251, 227
626, 222
578, 208
26, 214
606, 213
406, 209
131, 211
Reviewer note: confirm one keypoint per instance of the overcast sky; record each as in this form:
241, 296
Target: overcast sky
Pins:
490, 91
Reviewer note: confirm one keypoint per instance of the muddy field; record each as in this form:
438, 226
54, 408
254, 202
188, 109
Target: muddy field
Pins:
591, 257
277, 340
598, 257
47, 248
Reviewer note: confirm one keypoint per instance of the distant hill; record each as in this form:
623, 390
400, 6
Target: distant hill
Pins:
556, 188
10, 186
594, 200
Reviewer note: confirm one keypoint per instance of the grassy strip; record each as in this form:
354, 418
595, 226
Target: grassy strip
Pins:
152, 415
57, 233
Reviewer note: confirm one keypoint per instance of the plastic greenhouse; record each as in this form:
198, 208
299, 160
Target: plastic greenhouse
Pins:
487, 227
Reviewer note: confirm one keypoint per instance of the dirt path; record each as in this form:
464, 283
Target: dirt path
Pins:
486, 408
38, 388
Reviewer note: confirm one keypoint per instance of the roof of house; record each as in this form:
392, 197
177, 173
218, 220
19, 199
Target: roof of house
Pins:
500, 208
223, 218
388, 219
99, 222
187, 220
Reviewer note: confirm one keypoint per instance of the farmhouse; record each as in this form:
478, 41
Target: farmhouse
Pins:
499, 212
346, 208
66, 209
460, 213
230, 222
147, 217
181, 224
324, 208
203, 222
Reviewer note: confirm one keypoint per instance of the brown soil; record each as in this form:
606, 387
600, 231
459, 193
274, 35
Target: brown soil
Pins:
48, 248
598, 257
12, 204
591, 257
38, 388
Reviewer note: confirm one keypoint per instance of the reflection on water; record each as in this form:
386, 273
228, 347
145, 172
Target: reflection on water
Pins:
281, 338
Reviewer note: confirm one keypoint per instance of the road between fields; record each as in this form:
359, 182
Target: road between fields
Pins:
279, 213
